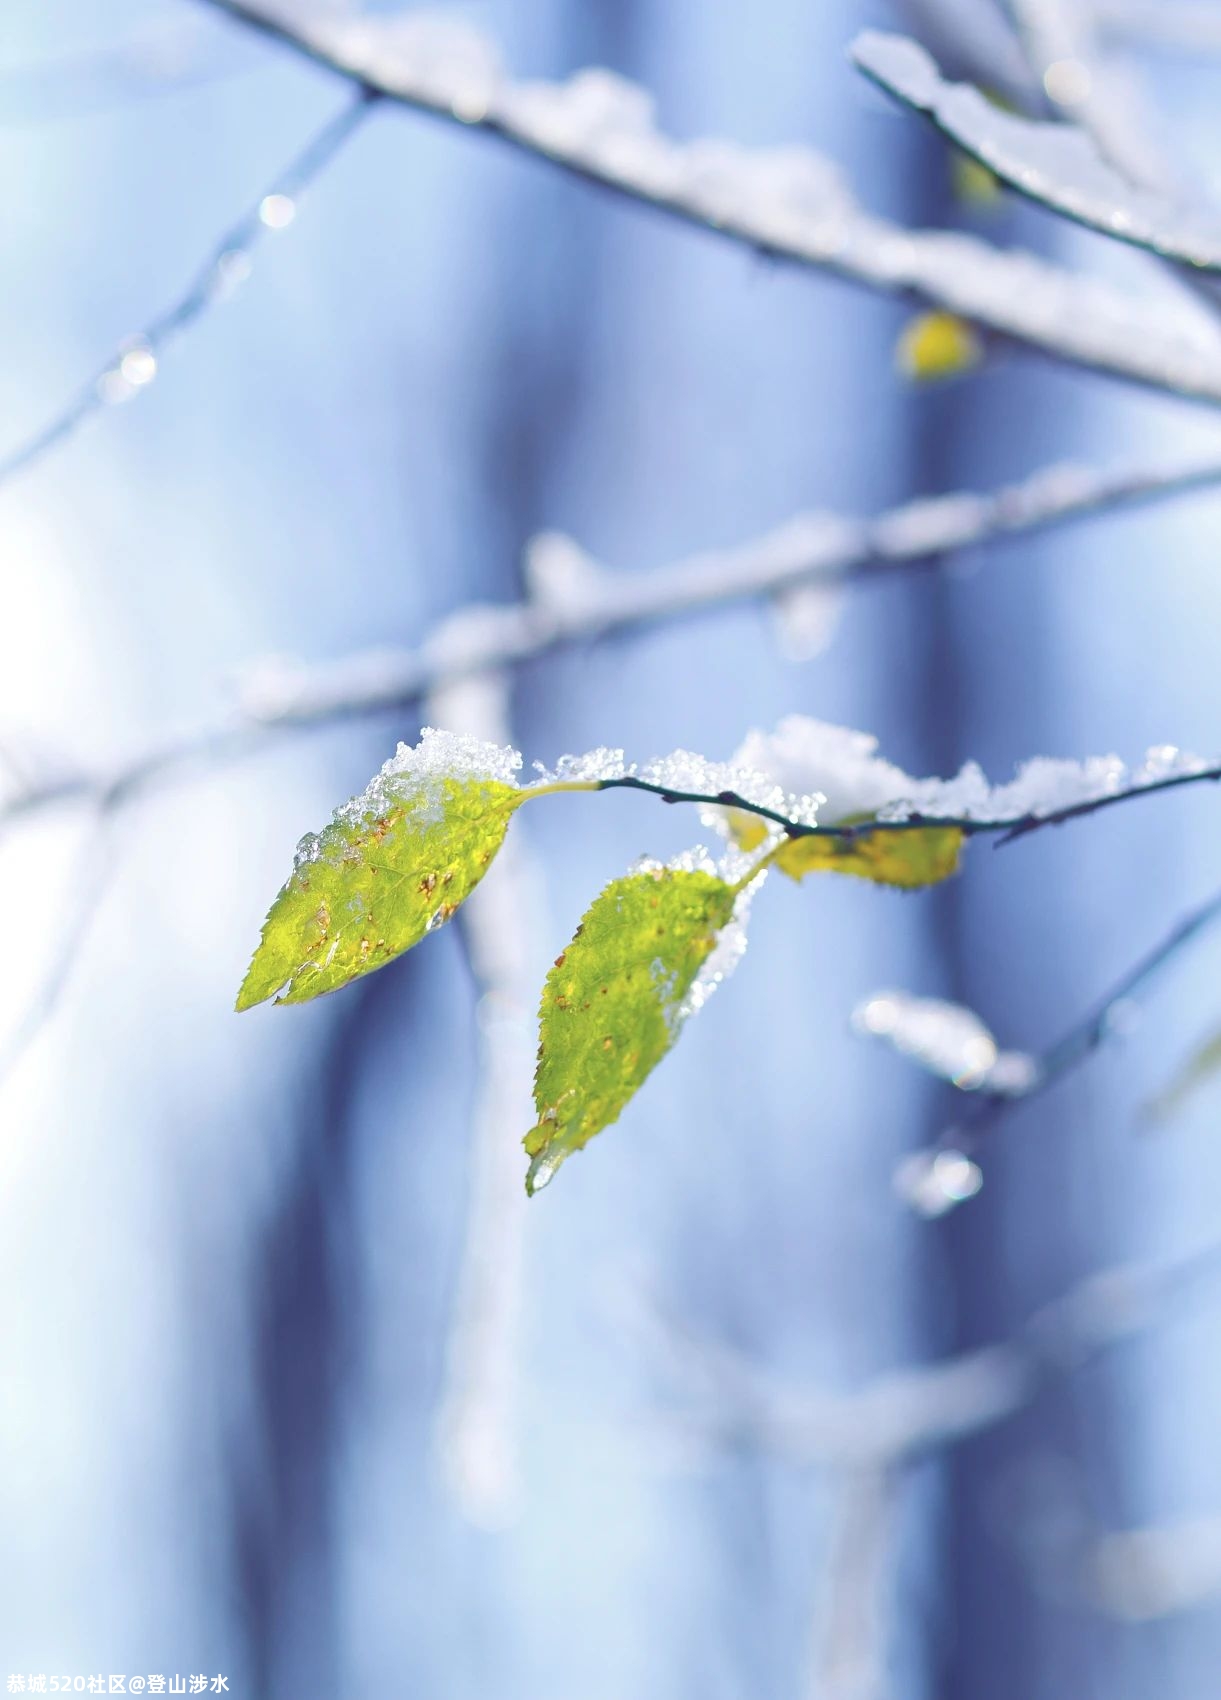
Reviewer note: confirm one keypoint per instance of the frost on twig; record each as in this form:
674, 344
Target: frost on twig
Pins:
136, 362
1056, 164
789, 203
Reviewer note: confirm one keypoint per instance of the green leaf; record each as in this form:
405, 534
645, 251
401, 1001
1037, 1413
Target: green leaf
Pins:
920, 856
393, 865
615, 1001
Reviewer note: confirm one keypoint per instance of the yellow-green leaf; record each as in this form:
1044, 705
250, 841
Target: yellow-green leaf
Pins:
391, 866
937, 345
917, 857
1201, 1067
615, 1000
972, 181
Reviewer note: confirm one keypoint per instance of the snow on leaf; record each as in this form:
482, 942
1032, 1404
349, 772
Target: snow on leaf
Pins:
394, 863
1056, 164
646, 954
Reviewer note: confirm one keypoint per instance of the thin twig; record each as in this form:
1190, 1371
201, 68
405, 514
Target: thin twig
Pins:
1011, 828
85, 890
910, 1413
811, 549
135, 362
1064, 315
1085, 1036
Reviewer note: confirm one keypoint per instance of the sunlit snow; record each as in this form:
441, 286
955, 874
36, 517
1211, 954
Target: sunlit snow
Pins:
1058, 164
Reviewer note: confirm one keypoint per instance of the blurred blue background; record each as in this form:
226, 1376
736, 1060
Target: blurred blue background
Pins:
247, 1422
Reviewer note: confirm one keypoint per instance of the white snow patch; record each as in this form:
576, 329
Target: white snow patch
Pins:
419, 770
807, 757
934, 1182
1057, 164
948, 1040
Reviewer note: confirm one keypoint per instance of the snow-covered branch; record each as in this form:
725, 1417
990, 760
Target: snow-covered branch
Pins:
574, 601
1056, 164
1023, 805
790, 203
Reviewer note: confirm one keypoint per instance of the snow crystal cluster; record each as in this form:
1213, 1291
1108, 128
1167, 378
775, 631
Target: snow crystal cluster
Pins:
1056, 163
682, 773
730, 946
948, 1040
810, 758
420, 770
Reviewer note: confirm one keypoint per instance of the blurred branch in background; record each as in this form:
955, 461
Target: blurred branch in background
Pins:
850, 1654
906, 1415
1086, 82
86, 886
136, 360
153, 61
789, 204
871, 1438
943, 1175
570, 599
477, 1424
1189, 25
574, 602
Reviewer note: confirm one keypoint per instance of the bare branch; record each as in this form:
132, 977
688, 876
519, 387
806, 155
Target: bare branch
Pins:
790, 205
809, 550
928, 1408
1082, 1039
85, 890
849, 1660
136, 362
